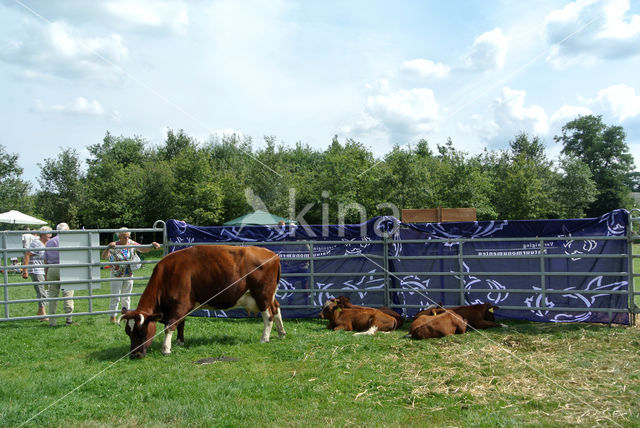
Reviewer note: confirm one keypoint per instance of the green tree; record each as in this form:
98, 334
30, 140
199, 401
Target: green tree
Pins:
402, 179
198, 198
524, 180
229, 158
14, 192
113, 183
61, 193
604, 149
458, 181
342, 183
575, 190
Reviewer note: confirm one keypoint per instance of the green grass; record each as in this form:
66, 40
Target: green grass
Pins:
528, 374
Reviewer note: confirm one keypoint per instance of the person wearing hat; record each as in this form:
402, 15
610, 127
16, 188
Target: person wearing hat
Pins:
121, 251
35, 256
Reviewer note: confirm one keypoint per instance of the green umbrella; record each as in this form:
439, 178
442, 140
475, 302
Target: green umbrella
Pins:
257, 217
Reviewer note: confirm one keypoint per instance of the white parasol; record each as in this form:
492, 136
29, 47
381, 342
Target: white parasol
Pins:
16, 217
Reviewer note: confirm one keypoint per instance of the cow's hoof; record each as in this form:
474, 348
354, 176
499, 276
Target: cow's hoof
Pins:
165, 352
263, 340
504, 325
282, 335
179, 343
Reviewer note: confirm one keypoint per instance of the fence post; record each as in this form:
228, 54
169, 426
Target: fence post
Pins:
5, 274
165, 236
312, 279
385, 249
630, 273
543, 278
461, 271
90, 269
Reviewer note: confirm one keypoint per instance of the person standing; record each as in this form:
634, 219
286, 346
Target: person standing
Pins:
35, 256
27, 237
52, 257
123, 284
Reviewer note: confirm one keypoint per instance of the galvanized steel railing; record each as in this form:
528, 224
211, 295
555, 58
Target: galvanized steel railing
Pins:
382, 260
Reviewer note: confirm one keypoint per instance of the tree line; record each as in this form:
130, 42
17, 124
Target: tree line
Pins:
127, 182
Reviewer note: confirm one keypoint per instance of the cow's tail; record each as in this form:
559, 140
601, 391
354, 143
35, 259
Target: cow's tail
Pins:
275, 306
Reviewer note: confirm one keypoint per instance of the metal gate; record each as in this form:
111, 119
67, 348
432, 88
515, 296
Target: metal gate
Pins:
81, 270
18, 304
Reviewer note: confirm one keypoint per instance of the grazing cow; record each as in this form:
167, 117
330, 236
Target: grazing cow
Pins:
444, 324
218, 277
364, 320
478, 316
344, 302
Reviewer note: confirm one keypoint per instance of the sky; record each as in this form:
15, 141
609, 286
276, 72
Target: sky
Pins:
382, 73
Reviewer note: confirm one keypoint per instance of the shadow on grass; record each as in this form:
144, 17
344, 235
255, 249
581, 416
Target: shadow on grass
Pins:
110, 354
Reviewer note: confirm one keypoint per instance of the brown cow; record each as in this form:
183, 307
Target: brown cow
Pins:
364, 320
478, 316
444, 324
218, 277
344, 302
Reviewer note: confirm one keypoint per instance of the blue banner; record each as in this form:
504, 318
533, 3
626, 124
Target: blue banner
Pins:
416, 281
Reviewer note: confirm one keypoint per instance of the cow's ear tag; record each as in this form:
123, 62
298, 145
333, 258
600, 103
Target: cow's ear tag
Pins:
490, 309
338, 308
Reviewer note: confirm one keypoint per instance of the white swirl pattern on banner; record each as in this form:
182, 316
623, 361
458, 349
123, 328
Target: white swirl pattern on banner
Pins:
583, 300
437, 231
360, 285
472, 281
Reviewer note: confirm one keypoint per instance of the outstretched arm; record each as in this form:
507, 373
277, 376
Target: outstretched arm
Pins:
147, 249
105, 253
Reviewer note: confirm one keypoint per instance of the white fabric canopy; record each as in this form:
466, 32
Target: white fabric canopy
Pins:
16, 217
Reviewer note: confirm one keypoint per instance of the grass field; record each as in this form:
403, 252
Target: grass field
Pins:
528, 374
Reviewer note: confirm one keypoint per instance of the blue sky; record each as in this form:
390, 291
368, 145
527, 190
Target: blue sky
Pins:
380, 72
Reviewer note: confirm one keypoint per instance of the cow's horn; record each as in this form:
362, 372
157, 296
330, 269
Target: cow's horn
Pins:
119, 319
141, 319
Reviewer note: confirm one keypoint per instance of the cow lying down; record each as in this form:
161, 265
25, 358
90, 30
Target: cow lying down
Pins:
344, 302
218, 277
434, 326
361, 319
478, 316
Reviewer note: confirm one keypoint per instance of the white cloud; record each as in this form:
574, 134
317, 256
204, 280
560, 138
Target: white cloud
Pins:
507, 117
590, 29
620, 101
426, 69
173, 15
79, 106
510, 111
489, 51
404, 112
394, 116
159, 16
567, 113
57, 49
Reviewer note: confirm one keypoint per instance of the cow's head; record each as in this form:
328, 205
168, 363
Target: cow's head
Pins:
141, 328
342, 301
328, 308
488, 313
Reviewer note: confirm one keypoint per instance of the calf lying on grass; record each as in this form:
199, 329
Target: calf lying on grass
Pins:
344, 302
478, 316
433, 326
364, 320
